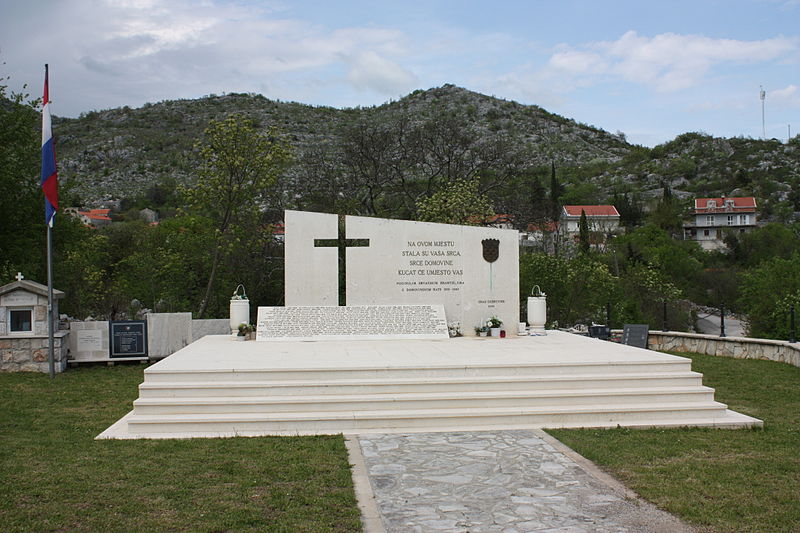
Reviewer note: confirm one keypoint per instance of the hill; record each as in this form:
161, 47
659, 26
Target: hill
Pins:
347, 159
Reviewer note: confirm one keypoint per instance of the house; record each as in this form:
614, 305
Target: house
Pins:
540, 234
278, 230
602, 219
502, 221
713, 217
92, 217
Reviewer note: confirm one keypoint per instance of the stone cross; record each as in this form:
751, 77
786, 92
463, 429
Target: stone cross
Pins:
342, 243
19, 276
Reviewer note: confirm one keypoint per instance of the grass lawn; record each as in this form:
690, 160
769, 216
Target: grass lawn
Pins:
55, 477
720, 480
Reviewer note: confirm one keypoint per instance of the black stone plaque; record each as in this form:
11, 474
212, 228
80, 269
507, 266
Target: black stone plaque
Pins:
128, 338
600, 332
635, 335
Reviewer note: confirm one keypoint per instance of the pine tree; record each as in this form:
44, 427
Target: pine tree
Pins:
583, 232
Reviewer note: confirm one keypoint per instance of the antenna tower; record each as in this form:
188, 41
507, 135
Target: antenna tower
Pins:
763, 95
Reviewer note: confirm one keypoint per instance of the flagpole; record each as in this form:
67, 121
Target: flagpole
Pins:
50, 189
50, 352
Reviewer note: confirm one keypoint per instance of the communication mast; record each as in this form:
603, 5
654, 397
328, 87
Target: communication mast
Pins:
763, 95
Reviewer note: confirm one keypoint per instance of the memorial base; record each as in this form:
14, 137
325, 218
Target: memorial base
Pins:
216, 388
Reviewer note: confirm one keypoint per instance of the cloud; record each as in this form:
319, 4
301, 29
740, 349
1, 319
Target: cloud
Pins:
132, 51
789, 96
368, 70
668, 62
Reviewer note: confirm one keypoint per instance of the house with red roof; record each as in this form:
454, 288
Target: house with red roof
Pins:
603, 219
713, 217
92, 217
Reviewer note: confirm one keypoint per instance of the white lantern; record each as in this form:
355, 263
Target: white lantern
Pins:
240, 310
537, 310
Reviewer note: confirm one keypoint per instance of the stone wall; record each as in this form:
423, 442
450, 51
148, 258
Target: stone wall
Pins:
737, 347
30, 354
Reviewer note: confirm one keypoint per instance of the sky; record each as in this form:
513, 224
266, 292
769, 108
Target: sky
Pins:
651, 69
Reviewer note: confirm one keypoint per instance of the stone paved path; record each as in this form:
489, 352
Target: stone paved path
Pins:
503, 481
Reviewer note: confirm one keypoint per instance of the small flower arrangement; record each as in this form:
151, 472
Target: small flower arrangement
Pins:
237, 296
494, 322
481, 330
245, 329
454, 329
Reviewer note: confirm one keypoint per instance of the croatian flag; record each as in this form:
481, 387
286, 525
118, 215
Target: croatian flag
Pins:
49, 173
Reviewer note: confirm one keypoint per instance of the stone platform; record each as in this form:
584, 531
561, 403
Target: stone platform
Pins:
219, 387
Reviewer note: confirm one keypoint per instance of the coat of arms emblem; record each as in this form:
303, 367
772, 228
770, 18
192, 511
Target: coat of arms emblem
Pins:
491, 249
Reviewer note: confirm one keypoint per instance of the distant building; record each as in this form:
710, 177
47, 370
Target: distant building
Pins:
92, 217
712, 217
602, 219
500, 221
278, 231
543, 234
148, 215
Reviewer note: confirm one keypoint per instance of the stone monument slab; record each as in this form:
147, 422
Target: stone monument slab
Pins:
88, 340
209, 326
635, 335
472, 271
360, 322
168, 333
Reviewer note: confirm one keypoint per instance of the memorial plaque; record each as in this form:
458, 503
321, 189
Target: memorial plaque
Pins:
635, 335
358, 322
18, 298
128, 338
89, 340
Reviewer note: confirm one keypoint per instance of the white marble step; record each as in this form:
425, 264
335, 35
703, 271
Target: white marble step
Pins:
153, 374
389, 385
425, 400
597, 415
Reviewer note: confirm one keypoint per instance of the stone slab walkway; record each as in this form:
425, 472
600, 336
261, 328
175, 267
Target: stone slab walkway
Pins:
503, 481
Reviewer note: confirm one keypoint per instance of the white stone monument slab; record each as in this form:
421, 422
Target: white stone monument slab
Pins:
360, 322
472, 271
88, 340
209, 326
167, 333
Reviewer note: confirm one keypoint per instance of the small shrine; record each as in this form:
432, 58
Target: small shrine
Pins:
24, 338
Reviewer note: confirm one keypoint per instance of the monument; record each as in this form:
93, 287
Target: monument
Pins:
361, 346
350, 260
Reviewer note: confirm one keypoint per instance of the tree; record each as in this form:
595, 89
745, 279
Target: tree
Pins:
761, 244
457, 203
767, 292
630, 210
556, 191
583, 232
22, 228
668, 213
238, 166
577, 289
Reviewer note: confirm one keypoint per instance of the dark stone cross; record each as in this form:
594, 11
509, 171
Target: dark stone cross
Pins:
342, 243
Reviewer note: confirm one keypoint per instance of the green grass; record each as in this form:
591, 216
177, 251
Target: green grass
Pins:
720, 480
55, 477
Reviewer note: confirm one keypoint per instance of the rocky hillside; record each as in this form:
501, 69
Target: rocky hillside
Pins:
118, 152
437, 134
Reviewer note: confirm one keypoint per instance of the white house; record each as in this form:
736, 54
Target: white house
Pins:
713, 216
601, 218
